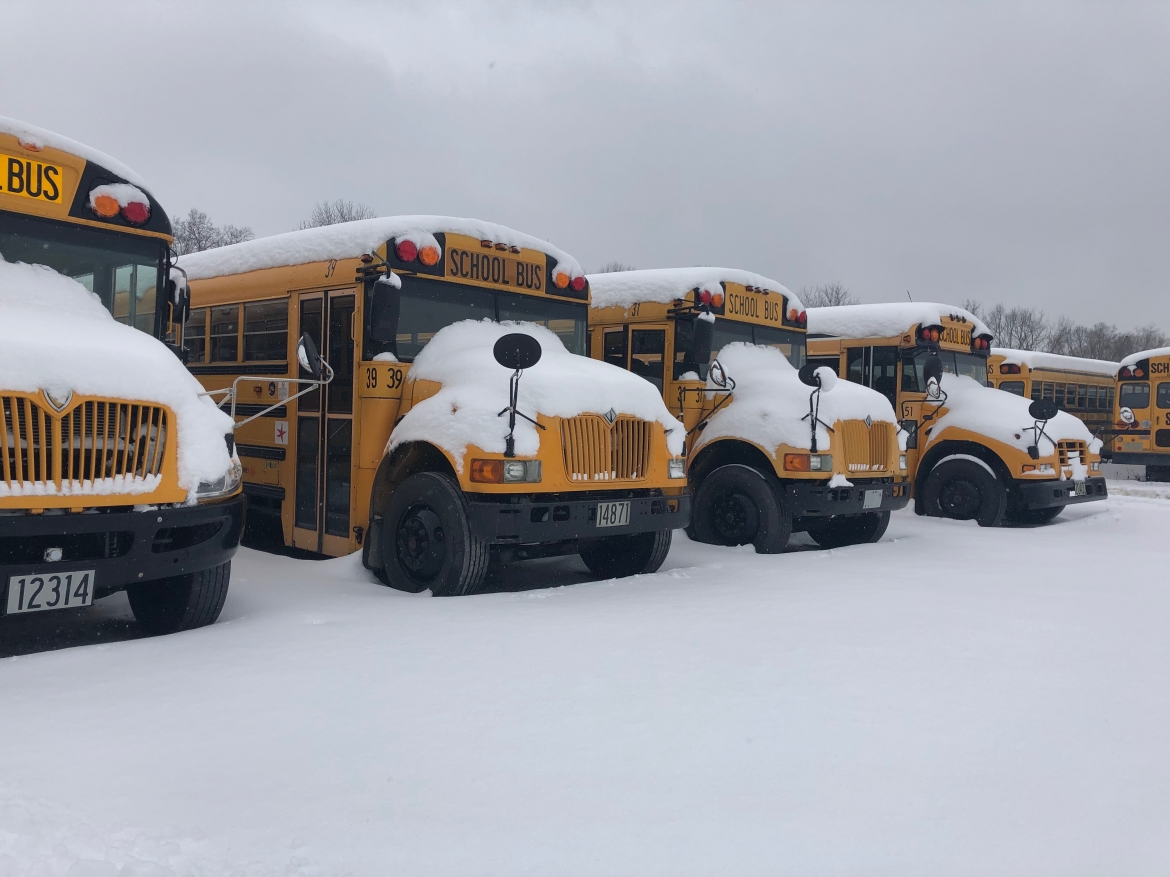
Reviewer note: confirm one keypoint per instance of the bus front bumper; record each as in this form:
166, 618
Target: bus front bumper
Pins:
531, 520
122, 548
817, 500
1046, 494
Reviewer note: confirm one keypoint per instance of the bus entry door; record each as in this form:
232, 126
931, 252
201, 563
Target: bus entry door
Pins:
324, 429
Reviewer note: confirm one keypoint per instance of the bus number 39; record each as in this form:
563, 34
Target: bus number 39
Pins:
393, 378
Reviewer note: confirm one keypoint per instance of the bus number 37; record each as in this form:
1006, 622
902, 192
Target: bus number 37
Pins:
393, 378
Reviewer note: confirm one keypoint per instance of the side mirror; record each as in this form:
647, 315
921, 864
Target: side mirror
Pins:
1042, 409
308, 357
701, 341
517, 351
808, 374
180, 300
932, 369
717, 375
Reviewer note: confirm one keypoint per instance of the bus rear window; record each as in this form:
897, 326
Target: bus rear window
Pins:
1164, 395
1135, 395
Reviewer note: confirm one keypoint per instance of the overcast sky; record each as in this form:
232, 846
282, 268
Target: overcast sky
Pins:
1006, 152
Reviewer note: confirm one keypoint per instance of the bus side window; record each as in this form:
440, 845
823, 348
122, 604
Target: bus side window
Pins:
1059, 398
855, 365
1082, 396
1048, 391
225, 333
1036, 388
1093, 398
615, 348
648, 354
195, 335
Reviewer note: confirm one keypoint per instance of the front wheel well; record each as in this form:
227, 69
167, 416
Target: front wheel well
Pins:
726, 452
405, 460
945, 449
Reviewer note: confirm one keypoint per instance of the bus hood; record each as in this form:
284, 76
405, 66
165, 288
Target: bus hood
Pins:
56, 336
466, 409
770, 400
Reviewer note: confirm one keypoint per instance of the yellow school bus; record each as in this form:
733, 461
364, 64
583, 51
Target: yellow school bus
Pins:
972, 454
114, 473
417, 451
1082, 387
766, 457
1142, 413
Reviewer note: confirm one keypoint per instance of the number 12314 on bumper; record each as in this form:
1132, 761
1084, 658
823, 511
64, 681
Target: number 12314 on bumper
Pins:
63, 590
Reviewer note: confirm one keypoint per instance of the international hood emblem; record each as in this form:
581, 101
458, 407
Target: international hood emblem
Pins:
610, 416
868, 421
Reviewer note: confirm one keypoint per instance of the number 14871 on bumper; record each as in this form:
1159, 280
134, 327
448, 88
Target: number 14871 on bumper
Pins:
50, 591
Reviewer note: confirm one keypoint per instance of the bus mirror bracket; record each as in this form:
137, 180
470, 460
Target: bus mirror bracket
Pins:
809, 377
1041, 411
517, 351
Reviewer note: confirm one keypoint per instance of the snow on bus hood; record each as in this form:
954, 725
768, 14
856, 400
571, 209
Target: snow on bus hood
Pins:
1004, 417
55, 335
475, 387
770, 400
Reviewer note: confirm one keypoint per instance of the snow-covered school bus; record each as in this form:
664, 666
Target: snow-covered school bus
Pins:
973, 452
1082, 387
772, 448
463, 422
115, 472
1142, 413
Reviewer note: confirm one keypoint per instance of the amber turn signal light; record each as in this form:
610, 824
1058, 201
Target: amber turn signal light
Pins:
487, 471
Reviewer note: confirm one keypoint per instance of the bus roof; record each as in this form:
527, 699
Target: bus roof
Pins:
348, 240
1039, 359
664, 285
1144, 354
31, 134
884, 320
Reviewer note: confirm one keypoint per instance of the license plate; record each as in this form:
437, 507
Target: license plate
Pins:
873, 499
613, 514
62, 590
1078, 488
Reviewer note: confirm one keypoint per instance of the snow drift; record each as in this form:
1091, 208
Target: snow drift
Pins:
1039, 359
1135, 358
770, 400
883, 320
664, 285
475, 387
55, 335
41, 138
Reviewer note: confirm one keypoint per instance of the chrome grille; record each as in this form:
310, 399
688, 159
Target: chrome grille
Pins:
596, 451
866, 448
82, 451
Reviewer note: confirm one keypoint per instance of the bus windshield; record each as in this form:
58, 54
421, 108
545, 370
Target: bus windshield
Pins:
1135, 395
404, 320
955, 363
124, 270
791, 344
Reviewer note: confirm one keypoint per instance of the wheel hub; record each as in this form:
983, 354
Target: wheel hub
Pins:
959, 499
421, 543
735, 518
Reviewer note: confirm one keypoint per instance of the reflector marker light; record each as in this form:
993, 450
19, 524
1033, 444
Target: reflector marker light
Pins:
501, 246
429, 255
486, 244
578, 283
406, 250
561, 279
112, 199
31, 145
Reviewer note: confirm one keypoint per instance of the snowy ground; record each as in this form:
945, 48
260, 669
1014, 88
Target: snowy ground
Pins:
951, 701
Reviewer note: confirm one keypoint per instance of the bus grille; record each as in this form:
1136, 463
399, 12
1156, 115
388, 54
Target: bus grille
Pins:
596, 451
1071, 450
96, 447
867, 448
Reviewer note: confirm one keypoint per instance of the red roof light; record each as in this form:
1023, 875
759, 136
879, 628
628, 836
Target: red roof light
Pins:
407, 251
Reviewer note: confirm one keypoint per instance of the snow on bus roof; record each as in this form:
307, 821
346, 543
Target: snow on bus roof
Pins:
885, 319
1144, 354
664, 285
348, 240
1039, 359
40, 137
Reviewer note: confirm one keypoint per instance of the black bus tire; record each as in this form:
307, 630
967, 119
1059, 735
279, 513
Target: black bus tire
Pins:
738, 505
841, 530
616, 557
964, 490
427, 540
182, 602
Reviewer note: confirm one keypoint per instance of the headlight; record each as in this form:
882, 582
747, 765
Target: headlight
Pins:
522, 470
901, 461
1046, 469
820, 463
222, 486
677, 468
511, 471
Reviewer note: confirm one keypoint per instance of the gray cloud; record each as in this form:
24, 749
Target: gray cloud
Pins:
1008, 152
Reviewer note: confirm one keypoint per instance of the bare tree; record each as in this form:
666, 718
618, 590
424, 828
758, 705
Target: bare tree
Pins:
826, 295
612, 267
333, 212
196, 232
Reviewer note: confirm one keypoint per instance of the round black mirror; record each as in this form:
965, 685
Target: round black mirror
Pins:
932, 369
517, 350
308, 357
808, 374
1042, 409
